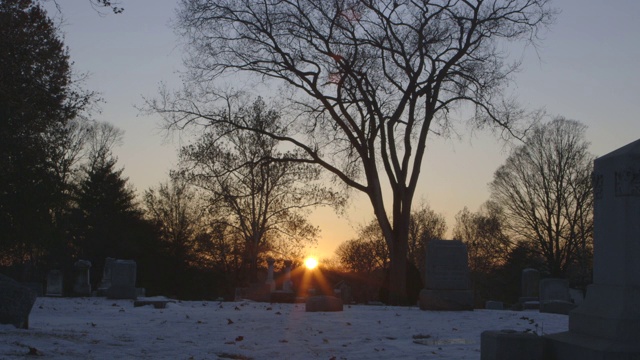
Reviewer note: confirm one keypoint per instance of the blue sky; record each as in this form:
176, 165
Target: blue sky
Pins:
586, 69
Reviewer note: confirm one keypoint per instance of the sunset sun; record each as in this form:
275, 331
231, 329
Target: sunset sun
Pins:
310, 263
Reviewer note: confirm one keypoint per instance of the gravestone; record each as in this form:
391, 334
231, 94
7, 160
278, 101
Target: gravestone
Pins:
287, 285
447, 285
343, 290
530, 286
607, 323
577, 296
494, 305
123, 280
16, 301
555, 297
105, 282
54, 283
270, 280
82, 287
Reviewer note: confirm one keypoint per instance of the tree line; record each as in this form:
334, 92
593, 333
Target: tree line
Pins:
364, 85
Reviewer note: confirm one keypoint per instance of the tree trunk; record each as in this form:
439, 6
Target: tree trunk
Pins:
398, 254
398, 274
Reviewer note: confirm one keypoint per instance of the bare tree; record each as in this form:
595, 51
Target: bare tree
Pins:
484, 234
365, 254
546, 192
265, 202
369, 81
425, 224
174, 208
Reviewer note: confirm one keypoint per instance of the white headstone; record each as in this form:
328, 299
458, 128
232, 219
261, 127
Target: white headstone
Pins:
607, 324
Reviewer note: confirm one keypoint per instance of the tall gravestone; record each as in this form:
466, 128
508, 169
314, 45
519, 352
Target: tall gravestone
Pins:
123, 280
607, 323
81, 286
447, 284
54, 283
16, 301
530, 285
105, 282
287, 285
270, 280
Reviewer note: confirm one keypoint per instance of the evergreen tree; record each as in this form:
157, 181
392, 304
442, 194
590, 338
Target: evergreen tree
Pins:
38, 104
107, 214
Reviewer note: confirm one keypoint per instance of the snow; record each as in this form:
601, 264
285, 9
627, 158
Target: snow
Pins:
98, 328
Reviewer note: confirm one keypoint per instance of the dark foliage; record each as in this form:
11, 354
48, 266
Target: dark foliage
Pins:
37, 103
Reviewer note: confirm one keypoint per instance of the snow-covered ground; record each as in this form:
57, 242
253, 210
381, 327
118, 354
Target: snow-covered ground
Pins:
97, 328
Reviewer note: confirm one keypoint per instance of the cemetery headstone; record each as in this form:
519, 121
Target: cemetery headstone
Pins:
447, 285
530, 285
577, 296
607, 323
105, 282
494, 305
82, 286
343, 290
123, 280
16, 301
270, 280
54, 283
287, 285
554, 296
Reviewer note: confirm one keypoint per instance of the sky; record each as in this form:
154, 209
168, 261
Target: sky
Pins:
99, 328
585, 69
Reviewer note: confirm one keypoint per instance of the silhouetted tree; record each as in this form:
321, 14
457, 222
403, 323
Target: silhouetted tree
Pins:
489, 249
173, 207
365, 254
425, 224
109, 222
545, 190
484, 233
40, 113
264, 202
369, 81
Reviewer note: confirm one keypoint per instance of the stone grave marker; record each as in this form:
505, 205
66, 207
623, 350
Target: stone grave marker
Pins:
530, 286
554, 296
270, 280
447, 284
16, 301
494, 305
54, 283
105, 282
607, 323
82, 286
123, 280
287, 285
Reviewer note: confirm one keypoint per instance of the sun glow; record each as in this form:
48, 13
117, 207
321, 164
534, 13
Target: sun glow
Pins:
310, 263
